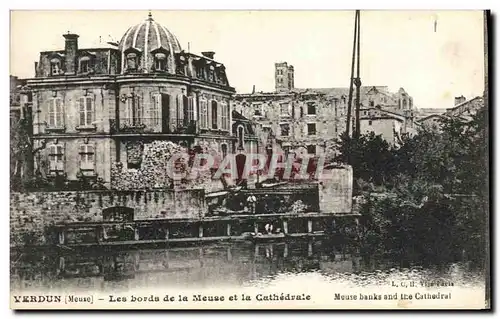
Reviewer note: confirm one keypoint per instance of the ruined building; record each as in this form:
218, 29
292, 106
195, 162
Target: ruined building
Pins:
308, 120
97, 108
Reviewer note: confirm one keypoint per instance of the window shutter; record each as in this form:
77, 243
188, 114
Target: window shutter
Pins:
92, 155
209, 114
205, 114
219, 115
90, 111
138, 110
81, 108
52, 157
62, 156
52, 115
59, 113
191, 108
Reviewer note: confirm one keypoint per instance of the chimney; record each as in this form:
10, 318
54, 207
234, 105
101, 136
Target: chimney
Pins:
208, 54
36, 68
70, 51
459, 100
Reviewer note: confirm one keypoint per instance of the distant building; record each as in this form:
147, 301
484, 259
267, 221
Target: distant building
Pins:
391, 126
466, 108
463, 109
307, 120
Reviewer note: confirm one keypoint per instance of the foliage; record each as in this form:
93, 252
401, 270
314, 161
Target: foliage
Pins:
426, 200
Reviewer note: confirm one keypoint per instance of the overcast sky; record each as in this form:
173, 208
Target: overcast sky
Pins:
398, 49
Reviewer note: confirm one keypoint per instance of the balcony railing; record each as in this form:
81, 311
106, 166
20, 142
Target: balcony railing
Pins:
153, 125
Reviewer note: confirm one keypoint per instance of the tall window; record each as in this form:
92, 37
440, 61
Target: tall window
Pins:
214, 115
241, 137
56, 159
179, 111
131, 61
311, 128
55, 66
160, 61
225, 116
311, 109
155, 109
285, 129
203, 113
134, 111
86, 110
56, 117
190, 109
87, 156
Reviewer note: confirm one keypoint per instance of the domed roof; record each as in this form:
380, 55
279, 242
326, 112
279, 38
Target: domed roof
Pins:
148, 36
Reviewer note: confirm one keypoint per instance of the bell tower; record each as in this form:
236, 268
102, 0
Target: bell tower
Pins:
283, 77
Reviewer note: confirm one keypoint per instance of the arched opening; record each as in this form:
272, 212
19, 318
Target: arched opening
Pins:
160, 61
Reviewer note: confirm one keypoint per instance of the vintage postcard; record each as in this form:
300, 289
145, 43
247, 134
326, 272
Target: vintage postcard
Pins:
249, 160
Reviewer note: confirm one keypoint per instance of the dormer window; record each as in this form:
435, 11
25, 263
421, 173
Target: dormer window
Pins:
180, 65
160, 61
211, 73
85, 65
132, 61
55, 66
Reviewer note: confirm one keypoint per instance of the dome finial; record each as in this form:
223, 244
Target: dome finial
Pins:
150, 16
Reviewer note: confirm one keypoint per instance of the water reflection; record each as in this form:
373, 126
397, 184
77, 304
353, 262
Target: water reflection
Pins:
221, 265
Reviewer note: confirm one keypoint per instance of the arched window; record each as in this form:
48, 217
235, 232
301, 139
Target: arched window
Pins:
55, 66
132, 61
160, 61
84, 66
214, 114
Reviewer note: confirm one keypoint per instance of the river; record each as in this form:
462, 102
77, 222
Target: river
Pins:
230, 265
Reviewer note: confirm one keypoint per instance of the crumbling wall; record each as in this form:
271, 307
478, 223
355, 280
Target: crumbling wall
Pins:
335, 190
32, 214
154, 171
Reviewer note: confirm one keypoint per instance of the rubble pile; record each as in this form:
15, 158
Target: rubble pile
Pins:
154, 169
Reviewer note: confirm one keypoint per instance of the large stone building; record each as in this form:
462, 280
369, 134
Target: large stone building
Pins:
94, 108
307, 120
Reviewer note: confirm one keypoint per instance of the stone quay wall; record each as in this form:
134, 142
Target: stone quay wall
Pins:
32, 214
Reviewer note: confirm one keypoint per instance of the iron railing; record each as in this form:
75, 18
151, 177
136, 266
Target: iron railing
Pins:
153, 125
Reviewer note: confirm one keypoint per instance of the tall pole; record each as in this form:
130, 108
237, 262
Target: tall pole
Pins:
358, 79
349, 102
